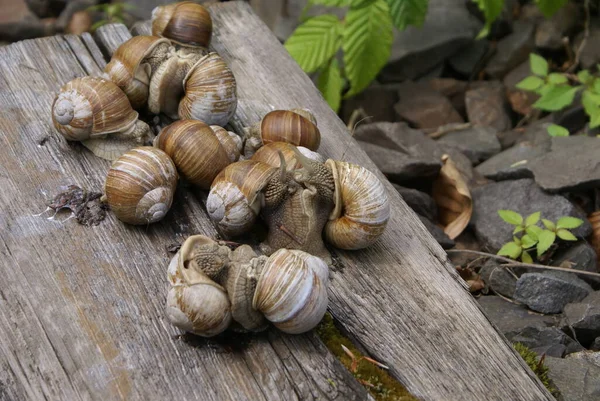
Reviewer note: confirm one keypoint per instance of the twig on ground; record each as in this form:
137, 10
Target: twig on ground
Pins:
447, 129
586, 34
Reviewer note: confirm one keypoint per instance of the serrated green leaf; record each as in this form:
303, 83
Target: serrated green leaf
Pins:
538, 65
557, 79
315, 41
360, 3
530, 83
511, 250
545, 241
491, 10
330, 3
556, 98
367, 44
533, 218
526, 257
557, 130
407, 12
330, 84
566, 235
549, 225
511, 217
568, 222
528, 242
584, 76
534, 231
549, 7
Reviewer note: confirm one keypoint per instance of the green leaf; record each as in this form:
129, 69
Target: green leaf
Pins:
360, 3
557, 98
538, 65
595, 118
528, 242
315, 41
591, 106
584, 76
531, 83
330, 3
544, 89
511, 250
367, 44
532, 218
549, 225
557, 79
511, 217
330, 84
549, 7
566, 235
568, 222
526, 258
597, 85
557, 130
491, 10
518, 229
407, 12
517, 241
534, 231
545, 241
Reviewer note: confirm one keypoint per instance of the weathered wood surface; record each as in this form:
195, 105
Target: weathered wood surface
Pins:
82, 308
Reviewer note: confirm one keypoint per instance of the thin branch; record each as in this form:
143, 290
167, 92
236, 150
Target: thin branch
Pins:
447, 129
586, 34
513, 263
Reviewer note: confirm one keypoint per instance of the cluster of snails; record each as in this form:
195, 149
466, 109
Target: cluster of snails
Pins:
171, 72
213, 288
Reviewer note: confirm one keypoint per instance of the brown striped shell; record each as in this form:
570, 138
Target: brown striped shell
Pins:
140, 185
234, 199
130, 69
269, 154
291, 291
230, 141
185, 23
195, 149
362, 207
90, 107
210, 92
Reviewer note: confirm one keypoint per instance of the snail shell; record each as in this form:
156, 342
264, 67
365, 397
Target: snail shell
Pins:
269, 154
130, 69
210, 92
231, 142
361, 209
140, 185
291, 292
185, 23
234, 199
195, 149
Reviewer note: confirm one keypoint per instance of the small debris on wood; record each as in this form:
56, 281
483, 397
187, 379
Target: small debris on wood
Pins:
84, 205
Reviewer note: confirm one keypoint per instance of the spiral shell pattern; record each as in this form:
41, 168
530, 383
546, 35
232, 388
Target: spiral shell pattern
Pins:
185, 23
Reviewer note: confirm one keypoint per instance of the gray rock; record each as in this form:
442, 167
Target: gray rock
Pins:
498, 279
590, 53
580, 256
584, 318
477, 143
545, 339
520, 101
550, 292
573, 118
486, 107
571, 164
424, 107
577, 380
419, 201
437, 233
377, 101
511, 319
468, 59
448, 27
513, 163
595, 345
551, 31
512, 50
555, 350
453, 89
591, 357
522, 196
537, 133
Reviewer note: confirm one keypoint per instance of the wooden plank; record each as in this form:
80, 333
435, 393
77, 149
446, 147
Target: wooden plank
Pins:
401, 298
81, 308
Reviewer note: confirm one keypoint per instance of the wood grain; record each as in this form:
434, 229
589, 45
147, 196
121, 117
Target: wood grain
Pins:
401, 299
81, 308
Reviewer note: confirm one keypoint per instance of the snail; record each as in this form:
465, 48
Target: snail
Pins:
289, 288
269, 154
133, 63
199, 151
185, 23
295, 126
97, 113
140, 185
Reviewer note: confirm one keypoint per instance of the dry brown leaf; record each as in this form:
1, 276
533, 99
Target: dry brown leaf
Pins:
594, 218
453, 199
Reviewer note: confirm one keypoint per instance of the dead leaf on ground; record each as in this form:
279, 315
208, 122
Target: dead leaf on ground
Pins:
453, 199
594, 218
473, 280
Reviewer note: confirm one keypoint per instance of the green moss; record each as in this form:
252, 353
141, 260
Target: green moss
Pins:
380, 384
536, 365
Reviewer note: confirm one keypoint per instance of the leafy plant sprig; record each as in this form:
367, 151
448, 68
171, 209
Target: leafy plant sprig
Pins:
365, 36
534, 236
112, 13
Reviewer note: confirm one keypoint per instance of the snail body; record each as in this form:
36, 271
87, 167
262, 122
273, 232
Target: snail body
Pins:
96, 112
140, 185
185, 23
269, 154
